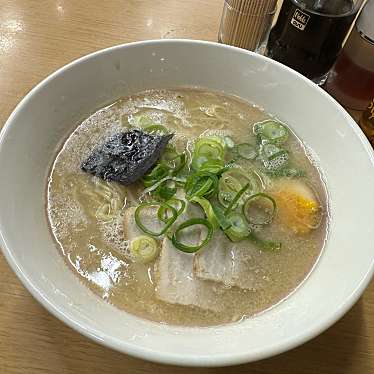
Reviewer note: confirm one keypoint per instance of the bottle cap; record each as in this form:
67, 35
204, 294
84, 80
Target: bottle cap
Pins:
365, 21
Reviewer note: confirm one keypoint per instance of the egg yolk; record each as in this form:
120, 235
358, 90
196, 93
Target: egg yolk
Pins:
296, 211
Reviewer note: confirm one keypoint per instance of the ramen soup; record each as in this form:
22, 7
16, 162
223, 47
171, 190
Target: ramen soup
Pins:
187, 207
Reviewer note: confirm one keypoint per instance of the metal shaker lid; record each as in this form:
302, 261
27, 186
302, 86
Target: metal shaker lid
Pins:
365, 21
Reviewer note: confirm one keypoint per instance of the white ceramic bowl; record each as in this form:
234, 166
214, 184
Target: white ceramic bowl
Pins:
49, 112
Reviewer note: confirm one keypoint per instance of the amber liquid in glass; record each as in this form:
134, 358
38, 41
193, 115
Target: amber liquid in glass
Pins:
351, 80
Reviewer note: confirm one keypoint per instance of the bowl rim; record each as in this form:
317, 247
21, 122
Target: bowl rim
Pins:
160, 356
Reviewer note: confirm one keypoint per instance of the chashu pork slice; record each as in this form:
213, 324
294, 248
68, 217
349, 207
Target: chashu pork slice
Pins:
224, 261
220, 260
175, 281
177, 284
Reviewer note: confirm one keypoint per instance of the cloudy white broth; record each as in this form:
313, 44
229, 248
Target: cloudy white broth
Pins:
216, 215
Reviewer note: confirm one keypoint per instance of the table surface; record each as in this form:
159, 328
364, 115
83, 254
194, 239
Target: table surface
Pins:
36, 38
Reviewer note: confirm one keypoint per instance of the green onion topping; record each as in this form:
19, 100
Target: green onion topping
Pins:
236, 198
201, 184
223, 222
209, 154
271, 131
192, 222
218, 177
238, 229
159, 185
163, 211
233, 180
168, 222
259, 209
208, 210
144, 249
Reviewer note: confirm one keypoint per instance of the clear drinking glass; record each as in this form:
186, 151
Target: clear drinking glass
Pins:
309, 34
246, 23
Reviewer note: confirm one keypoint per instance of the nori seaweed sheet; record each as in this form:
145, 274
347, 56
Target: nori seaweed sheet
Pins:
125, 157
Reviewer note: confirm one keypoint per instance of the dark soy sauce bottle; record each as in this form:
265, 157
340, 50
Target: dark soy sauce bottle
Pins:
308, 35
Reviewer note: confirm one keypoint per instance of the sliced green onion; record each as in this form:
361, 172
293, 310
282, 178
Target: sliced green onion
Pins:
174, 160
227, 167
169, 153
228, 186
233, 179
211, 147
160, 129
218, 139
259, 209
236, 199
213, 166
178, 204
168, 166
205, 163
171, 163
191, 222
246, 151
168, 222
238, 229
228, 183
271, 131
178, 163
156, 185
201, 184
144, 249
225, 198
167, 189
274, 131
223, 222
160, 171
265, 245
209, 152
208, 210
198, 161
211, 139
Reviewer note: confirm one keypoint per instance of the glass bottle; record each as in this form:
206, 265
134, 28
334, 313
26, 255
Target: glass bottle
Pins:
309, 34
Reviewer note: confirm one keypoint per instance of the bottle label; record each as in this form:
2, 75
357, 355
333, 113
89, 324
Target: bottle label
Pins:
300, 19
